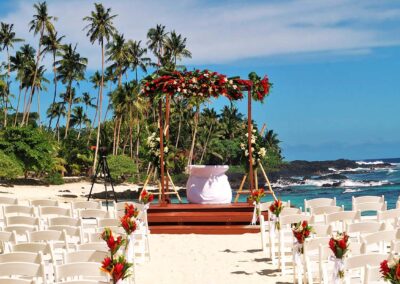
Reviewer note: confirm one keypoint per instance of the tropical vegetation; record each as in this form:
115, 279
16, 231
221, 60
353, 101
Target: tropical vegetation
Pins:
59, 143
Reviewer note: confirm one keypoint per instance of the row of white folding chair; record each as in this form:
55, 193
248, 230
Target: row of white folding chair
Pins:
390, 217
380, 242
366, 199
311, 204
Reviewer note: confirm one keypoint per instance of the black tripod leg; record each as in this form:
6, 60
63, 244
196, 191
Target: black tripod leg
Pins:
103, 165
111, 182
94, 180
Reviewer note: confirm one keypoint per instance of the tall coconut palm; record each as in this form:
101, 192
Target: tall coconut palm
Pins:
100, 29
117, 53
87, 100
137, 57
52, 44
71, 67
79, 117
156, 41
210, 120
95, 79
35, 77
42, 23
7, 40
56, 110
175, 47
18, 63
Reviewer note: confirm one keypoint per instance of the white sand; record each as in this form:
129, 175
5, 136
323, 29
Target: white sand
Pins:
208, 259
180, 259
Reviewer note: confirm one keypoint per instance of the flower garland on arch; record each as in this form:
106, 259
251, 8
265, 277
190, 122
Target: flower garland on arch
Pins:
258, 152
153, 144
205, 84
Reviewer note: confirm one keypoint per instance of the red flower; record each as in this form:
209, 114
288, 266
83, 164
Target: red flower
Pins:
342, 243
106, 264
130, 210
398, 271
118, 271
384, 267
305, 224
332, 244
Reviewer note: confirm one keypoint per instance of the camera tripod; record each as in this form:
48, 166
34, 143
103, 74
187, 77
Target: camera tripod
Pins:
105, 170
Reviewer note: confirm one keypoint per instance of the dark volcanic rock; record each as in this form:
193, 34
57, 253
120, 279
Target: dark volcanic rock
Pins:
332, 176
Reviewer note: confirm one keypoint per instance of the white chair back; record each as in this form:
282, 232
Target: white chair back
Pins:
84, 256
78, 269
381, 241
343, 218
43, 202
23, 269
310, 204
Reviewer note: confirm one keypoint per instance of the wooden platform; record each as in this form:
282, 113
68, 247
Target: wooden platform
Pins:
201, 219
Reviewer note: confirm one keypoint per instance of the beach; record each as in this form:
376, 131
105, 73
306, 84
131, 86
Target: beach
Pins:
186, 258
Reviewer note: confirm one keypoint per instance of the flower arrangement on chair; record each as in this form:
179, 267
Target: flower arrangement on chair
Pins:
390, 270
276, 208
146, 197
301, 231
255, 198
115, 265
339, 245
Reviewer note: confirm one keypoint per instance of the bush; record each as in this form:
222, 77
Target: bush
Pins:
9, 167
54, 178
33, 148
121, 167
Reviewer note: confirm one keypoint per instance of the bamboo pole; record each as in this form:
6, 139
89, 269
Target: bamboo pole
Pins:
240, 188
268, 183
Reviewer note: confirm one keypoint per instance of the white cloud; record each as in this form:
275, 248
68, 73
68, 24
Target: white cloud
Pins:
233, 30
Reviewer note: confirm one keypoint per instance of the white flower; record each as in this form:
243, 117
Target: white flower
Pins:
206, 75
392, 262
179, 89
226, 79
194, 80
252, 149
148, 88
253, 140
246, 153
158, 139
200, 94
262, 152
234, 87
175, 82
183, 85
184, 91
242, 146
230, 82
210, 89
246, 134
166, 149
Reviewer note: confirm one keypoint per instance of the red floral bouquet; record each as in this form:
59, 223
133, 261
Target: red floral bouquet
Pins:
301, 231
339, 245
113, 243
276, 208
146, 197
256, 195
117, 268
390, 270
128, 224
131, 210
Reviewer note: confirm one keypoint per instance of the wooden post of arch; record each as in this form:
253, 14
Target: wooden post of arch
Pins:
249, 132
162, 199
167, 111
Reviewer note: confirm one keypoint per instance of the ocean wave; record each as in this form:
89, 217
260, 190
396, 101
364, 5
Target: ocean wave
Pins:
352, 190
356, 183
359, 169
370, 163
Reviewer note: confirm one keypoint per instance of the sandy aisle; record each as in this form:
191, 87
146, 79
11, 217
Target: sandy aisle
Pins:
211, 259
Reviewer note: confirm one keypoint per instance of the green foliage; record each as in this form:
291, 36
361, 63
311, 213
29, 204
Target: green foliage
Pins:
54, 178
32, 147
121, 167
9, 167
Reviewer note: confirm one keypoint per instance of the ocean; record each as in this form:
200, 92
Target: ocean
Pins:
367, 179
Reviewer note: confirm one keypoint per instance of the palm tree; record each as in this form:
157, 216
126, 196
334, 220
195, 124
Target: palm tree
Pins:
87, 100
117, 53
71, 67
79, 117
35, 77
175, 47
137, 57
210, 120
100, 28
7, 40
271, 139
18, 63
40, 24
231, 118
52, 44
56, 110
156, 41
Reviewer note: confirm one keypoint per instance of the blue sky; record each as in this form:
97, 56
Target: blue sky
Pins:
334, 64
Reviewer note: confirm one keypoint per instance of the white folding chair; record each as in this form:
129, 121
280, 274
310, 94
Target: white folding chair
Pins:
83, 270
84, 256
18, 210
285, 239
81, 205
354, 266
22, 257
390, 217
24, 270
338, 220
311, 258
373, 275
325, 264
380, 241
322, 230
16, 281
65, 221
370, 207
5, 200
366, 199
310, 204
108, 222
318, 213
44, 202
6, 240
57, 240
74, 235
53, 211
356, 230
98, 246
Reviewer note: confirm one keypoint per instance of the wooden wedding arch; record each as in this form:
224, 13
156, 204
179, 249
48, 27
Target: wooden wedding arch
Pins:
203, 84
